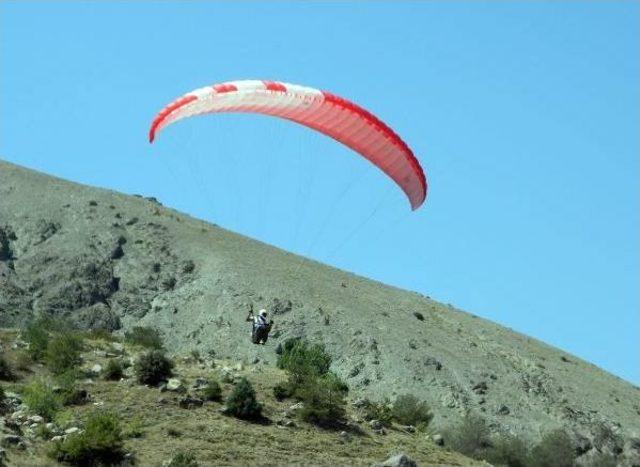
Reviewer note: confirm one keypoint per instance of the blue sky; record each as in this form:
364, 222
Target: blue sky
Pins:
525, 117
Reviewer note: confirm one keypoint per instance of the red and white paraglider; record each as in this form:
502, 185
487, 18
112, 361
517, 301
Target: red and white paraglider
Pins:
327, 113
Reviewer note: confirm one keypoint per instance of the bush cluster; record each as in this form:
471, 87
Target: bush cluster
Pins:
36, 334
3, 402
302, 360
101, 442
153, 367
40, 398
554, 450
114, 370
472, 437
242, 402
63, 352
381, 411
67, 392
6, 370
183, 459
213, 391
409, 410
324, 400
145, 337
310, 381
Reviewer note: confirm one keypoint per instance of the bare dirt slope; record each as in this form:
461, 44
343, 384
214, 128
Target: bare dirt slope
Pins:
114, 261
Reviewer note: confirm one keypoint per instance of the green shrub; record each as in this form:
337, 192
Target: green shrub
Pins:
282, 391
6, 370
36, 334
43, 432
133, 429
302, 360
144, 337
152, 367
213, 391
183, 459
470, 437
2, 400
409, 410
507, 450
99, 444
114, 370
605, 438
63, 353
381, 411
100, 334
554, 450
323, 400
68, 392
23, 360
40, 398
242, 402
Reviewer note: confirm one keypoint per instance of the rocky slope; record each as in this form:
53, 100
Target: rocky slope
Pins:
158, 422
114, 261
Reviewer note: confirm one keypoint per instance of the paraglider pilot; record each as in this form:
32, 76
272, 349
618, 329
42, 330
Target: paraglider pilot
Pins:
260, 326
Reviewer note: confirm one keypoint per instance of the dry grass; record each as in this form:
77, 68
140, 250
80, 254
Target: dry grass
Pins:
220, 440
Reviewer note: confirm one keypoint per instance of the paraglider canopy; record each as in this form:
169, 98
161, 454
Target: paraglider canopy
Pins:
327, 113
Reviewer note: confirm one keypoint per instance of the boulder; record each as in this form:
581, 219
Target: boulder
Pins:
10, 441
189, 402
376, 425
438, 439
200, 383
35, 419
72, 430
399, 460
174, 384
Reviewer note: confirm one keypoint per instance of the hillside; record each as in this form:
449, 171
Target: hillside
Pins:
156, 423
113, 261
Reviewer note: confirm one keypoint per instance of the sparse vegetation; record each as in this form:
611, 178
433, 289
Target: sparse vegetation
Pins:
213, 391
67, 392
508, 450
321, 391
301, 359
63, 352
381, 411
114, 370
323, 399
40, 398
282, 391
6, 370
554, 450
409, 410
195, 354
183, 459
152, 367
144, 337
23, 360
2, 400
242, 402
188, 266
470, 437
37, 336
99, 444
